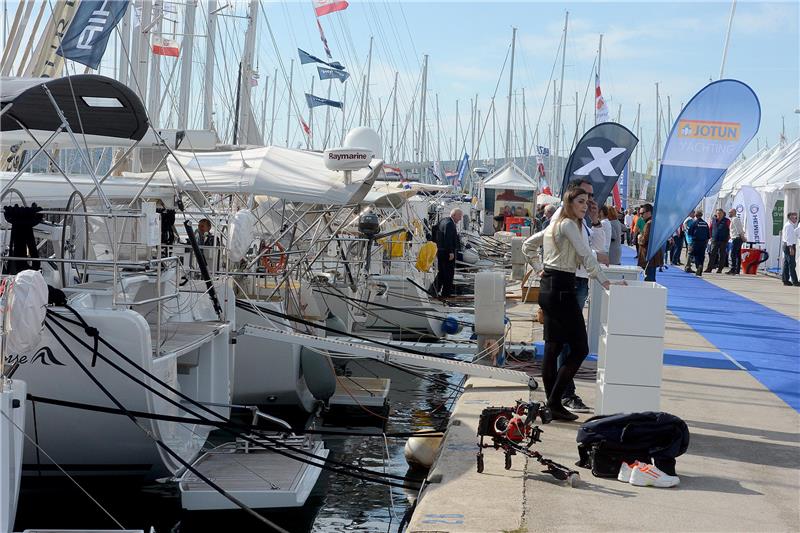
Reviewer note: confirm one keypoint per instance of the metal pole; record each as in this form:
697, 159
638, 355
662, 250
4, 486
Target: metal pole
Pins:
310, 138
264, 110
392, 146
186, 65
208, 94
289, 103
422, 106
557, 126
727, 40
327, 118
272, 119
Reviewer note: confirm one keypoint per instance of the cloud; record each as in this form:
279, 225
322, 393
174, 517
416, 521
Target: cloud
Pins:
767, 17
468, 72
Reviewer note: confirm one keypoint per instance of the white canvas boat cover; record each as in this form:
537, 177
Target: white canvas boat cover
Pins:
53, 190
395, 194
293, 175
510, 176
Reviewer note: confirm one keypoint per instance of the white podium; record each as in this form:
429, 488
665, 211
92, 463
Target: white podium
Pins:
631, 347
615, 273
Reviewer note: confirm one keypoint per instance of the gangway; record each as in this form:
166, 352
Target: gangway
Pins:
390, 356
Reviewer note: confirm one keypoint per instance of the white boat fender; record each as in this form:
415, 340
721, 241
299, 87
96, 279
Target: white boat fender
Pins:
318, 373
27, 309
242, 234
421, 452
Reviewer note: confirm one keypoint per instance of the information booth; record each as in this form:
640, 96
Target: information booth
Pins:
509, 201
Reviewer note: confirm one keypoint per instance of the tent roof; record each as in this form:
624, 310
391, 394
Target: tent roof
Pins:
293, 175
770, 168
92, 105
510, 176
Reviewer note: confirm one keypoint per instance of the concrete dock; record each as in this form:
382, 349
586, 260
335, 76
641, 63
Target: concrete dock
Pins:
740, 473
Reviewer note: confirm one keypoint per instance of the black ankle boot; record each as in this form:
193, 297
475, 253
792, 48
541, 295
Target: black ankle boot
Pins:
559, 412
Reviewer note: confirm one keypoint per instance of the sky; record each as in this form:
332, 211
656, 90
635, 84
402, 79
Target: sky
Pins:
678, 45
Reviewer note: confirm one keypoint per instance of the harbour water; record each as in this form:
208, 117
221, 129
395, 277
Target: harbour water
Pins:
337, 504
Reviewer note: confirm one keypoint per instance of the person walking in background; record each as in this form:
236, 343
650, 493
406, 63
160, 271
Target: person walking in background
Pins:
646, 214
738, 234
628, 221
688, 222
789, 246
564, 248
615, 247
448, 245
549, 211
700, 233
720, 235
677, 246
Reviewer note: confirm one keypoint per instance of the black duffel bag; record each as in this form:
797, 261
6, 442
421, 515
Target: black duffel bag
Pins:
604, 442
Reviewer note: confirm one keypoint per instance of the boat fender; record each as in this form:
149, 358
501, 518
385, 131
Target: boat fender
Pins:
29, 301
243, 233
422, 451
450, 326
318, 373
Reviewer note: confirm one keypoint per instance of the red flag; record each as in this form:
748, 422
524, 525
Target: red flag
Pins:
600, 107
324, 40
540, 165
165, 47
305, 127
617, 200
547, 190
324, 7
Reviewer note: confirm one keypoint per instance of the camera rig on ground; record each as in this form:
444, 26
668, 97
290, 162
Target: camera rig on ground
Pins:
512, 429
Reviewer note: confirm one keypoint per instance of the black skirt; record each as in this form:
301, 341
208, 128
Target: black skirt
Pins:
563, 319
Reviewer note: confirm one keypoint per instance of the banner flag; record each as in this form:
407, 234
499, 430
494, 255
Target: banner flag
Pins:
600, 107
87, 37
306, 129
540, 166
314, 101
305, 57
601, 155
324, 40
750, 208
643, 191
623, 188
615, 195
328, 73
709, 134
543, 151
165, 47
325, 7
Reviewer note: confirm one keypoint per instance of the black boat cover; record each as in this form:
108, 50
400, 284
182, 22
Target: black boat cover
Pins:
92, 104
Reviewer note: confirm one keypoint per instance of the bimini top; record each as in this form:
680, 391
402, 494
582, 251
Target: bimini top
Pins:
93, 105
293, 175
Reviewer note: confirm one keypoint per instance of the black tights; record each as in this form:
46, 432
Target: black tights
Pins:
557, 379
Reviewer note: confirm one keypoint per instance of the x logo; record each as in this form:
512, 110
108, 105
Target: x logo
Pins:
601, 160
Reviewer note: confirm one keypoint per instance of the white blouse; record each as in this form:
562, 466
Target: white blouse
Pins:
564, 249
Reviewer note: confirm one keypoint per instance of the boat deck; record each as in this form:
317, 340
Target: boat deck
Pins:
178, 338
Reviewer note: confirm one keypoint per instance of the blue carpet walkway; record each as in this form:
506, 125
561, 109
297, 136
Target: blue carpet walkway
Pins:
764, 342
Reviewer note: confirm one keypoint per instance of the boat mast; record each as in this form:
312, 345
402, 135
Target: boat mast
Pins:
246, 119
208, 95
438, 133
186, 66
365, 108
510, 90
344, 106
422, 106
272, 118
264, 109
123, 66
289, 102
658, 129
154, 93
392, 146
557, 125
327, 118
456, 154
310, 138
494, 135
524, 127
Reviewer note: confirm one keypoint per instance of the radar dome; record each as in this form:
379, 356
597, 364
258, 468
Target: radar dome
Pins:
363, 137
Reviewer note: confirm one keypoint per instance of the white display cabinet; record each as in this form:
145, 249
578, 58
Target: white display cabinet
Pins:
630, 347
613, 273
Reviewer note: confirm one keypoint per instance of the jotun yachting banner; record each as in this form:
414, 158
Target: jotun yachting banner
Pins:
709, 134
600, 156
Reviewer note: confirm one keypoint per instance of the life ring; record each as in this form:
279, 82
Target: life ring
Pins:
271, 266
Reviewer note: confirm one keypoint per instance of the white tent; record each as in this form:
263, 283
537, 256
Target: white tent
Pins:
510, 176
775, 174
293, 175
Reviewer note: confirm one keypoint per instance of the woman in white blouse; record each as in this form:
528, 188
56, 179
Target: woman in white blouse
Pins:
564, 249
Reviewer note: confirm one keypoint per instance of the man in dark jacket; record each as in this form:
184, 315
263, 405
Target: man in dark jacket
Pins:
720, 235
700, 233
448, 245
